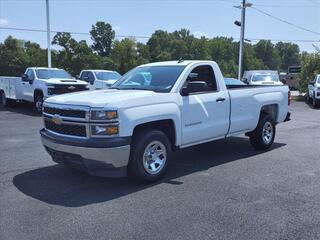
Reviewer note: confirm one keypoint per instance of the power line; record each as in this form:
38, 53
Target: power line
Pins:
75, 33
285, 21
147, 37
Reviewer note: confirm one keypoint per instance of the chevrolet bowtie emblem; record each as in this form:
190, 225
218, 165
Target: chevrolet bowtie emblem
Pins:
56, 120
71, 88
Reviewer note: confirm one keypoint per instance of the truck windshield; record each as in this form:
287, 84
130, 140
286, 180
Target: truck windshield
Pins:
153, 78
107, 75
265, 77
52, 73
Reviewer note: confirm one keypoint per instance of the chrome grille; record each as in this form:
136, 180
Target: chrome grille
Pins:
65, 112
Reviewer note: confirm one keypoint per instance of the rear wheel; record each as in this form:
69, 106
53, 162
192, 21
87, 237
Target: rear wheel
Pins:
150, 155
4, 102
38, 103
263, 136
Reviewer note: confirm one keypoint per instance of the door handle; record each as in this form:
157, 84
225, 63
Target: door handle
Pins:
220, 99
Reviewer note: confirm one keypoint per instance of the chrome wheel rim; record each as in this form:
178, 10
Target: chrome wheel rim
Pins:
267, 132
154, 157
39, 105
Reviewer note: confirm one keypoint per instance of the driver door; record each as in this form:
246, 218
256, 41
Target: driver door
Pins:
27, 86
205, 115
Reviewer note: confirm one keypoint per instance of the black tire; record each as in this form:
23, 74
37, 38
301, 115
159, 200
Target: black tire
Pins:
315, 102
38, 102
4, 101
308, 98
137, 164
258, 138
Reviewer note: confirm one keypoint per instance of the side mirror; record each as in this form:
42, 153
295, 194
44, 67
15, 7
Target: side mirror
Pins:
24, 77
77, 77
194, 87
245, 80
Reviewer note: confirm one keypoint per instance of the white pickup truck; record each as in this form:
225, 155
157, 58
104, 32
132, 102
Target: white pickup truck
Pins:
37, 84
133, 127
313, 93
99, 79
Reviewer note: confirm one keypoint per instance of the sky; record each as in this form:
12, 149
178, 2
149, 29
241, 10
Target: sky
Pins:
141, 18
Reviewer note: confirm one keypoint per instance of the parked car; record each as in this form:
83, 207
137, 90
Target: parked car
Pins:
99, 79
261, 77
133, 127
233, 81
313, 93
37, 84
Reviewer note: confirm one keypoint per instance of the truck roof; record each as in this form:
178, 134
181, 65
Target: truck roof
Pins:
45, 68
98, 70
176, 63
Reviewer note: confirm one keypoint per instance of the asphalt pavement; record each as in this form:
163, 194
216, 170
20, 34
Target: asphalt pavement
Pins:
218, 190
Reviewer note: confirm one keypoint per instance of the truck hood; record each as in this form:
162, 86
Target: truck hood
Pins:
107, 98
62, 81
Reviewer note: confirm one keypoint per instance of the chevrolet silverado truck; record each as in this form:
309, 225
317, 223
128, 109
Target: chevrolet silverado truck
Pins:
133, 128
37, 84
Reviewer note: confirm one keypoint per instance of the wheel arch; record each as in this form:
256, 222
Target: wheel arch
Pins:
167, 126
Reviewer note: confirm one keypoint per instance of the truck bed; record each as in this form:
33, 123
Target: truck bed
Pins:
10, 86
246, 102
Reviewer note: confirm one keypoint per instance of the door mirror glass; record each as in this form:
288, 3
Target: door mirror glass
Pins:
245, 80
25, 78
195, 87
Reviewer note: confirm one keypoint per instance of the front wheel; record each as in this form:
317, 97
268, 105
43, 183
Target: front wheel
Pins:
150, 155
38, 103
263, 136
315, 102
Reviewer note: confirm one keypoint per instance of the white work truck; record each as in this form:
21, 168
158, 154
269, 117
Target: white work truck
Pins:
37, 84
313, 93
133, 127
99, 79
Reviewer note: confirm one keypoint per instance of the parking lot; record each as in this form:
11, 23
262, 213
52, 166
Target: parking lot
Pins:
219, 190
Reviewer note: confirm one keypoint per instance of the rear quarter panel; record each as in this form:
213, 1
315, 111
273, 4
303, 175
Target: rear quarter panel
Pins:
246, 105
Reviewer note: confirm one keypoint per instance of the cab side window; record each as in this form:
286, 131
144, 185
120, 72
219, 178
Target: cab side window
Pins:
30, 74
84, 76
205, 74
90, 77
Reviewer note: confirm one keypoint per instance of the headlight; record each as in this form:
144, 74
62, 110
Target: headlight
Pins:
104, 115
100, 130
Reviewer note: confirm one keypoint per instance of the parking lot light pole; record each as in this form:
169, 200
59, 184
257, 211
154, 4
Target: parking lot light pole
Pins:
48, 35
242, 25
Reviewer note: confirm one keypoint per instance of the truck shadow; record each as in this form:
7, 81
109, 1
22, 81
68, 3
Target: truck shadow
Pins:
24, 108
70, 188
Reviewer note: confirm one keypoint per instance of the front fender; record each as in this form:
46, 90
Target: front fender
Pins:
132, 117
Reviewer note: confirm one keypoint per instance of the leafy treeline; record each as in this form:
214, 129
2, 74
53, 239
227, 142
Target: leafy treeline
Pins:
122, 55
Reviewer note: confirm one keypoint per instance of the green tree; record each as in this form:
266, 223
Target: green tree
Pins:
75, 56
13, 59
289, 54
269, 55
310, 66
124, 55
159, 46
102, 36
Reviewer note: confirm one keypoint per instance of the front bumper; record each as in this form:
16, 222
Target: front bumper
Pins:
98, 157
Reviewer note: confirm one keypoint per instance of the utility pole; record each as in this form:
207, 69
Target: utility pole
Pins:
243, 17
242, 25
48, 35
